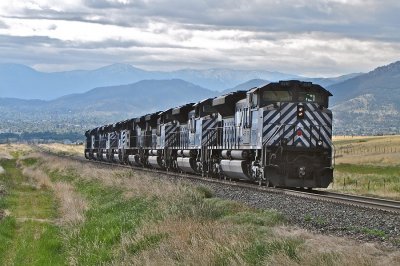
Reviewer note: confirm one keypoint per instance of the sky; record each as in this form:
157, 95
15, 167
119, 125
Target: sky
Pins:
305, 37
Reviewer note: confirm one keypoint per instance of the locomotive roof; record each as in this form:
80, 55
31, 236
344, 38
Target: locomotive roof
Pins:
149, 117
225, 104
229, 97
293, 85
182, 108
166, 111
203, 102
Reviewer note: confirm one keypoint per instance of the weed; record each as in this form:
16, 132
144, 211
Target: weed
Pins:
30, 161
308, 217
374, 232
368, 231
320, 221
205, 191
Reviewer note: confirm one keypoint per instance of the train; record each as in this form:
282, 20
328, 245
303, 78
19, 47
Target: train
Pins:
277, 135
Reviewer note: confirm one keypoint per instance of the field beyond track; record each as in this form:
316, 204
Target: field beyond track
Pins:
368, 165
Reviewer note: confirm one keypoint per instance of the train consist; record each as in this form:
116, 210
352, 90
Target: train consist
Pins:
279, 134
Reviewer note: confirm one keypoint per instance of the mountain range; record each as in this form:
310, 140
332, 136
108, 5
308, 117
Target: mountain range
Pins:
368, 103
23, 82
362, 103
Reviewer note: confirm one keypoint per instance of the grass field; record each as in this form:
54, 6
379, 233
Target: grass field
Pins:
61, 212
368, 166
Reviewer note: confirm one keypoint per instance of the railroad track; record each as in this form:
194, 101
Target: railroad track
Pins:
347, 199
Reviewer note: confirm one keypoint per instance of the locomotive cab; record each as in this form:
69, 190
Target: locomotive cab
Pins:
296, 134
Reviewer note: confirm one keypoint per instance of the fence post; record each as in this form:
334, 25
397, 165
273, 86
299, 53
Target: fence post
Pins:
369, 182
384, 184
344, 182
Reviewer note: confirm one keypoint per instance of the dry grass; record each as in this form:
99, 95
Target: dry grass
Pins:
190, 241
134, 183
328, 250
371, 150
64, 148
368, 165
9, 151
5, 155
71, 204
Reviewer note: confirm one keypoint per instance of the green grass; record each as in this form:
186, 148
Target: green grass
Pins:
369, 231
29, 235
147, 242
30, 161
368, 178
37, 243
368, 169
7, 232
109, 217
259, 251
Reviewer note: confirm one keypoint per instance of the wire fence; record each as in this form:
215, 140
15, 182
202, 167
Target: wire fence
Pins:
354, 150
349, 184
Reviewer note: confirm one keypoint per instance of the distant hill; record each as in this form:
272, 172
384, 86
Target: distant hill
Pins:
368, 103
139, 98
381, 80
77, 112
19, 81
325, 82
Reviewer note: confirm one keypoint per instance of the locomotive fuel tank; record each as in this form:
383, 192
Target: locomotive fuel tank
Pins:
236, 169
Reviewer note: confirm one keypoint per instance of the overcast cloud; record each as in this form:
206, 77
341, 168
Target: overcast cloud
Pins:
306, 37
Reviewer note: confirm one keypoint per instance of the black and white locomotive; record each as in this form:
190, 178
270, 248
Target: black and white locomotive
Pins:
279, 134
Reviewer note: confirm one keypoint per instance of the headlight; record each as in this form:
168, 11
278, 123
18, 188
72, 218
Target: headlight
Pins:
300, 111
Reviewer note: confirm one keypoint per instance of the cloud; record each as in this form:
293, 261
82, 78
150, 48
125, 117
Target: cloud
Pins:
52, 27
313, 37
3, 25
113, 4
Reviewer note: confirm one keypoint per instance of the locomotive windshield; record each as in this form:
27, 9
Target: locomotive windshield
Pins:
292, 96
277, 96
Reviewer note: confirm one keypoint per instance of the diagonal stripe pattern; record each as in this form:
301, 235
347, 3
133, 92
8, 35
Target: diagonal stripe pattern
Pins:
316, 125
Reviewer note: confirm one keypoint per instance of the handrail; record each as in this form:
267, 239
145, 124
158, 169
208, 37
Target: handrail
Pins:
273, 135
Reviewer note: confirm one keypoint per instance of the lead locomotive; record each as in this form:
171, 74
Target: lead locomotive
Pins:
279, 134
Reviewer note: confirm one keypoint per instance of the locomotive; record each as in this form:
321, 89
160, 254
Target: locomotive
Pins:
278, 135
